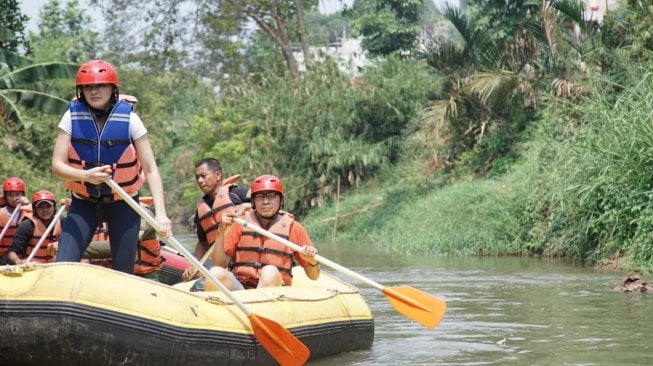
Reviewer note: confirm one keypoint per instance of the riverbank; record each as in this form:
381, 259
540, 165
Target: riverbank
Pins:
584, 195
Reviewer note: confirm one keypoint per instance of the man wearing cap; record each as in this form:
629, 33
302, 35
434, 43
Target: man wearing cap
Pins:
30, 231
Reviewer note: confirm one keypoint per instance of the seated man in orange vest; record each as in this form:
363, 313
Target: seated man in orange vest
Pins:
220, 195
32, 228
243, 259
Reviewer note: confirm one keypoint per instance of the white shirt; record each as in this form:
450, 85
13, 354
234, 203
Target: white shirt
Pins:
16, 218
136, 127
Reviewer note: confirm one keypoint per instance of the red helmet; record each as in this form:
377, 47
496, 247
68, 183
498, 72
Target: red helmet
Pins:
13, 184
42, 196
266, 183
96, 72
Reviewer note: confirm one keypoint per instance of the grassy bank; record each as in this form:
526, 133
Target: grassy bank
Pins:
425, 215
581, 188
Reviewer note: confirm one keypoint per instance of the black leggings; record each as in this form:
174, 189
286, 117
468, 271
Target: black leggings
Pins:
80, 225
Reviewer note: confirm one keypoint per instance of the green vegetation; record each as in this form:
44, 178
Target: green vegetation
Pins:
350, 130
581, 188
532, 140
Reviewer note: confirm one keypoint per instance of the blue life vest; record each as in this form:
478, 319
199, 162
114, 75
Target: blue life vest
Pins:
90, 148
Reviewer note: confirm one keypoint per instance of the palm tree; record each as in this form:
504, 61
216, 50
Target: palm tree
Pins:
454, 120
489, 83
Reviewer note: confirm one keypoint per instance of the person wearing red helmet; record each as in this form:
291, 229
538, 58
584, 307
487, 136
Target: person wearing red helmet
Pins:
31, 230
13, 194
244, 259
101, 138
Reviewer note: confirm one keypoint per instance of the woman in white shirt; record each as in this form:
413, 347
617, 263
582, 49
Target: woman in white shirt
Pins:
101, 138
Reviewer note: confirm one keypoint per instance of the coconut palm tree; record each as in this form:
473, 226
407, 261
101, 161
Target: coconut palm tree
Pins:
549, 55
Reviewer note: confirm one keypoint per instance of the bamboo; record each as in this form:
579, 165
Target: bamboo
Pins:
335, 222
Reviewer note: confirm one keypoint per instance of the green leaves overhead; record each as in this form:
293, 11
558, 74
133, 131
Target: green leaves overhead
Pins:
13, 59
29, 75
24, 88
12, 26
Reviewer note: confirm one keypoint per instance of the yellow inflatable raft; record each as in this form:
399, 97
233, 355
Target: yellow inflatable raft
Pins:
80, 314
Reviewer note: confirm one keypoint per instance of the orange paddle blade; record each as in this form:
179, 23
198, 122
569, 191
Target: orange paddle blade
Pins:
278, 341
426, 309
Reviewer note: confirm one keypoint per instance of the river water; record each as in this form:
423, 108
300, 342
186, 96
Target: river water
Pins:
500, 311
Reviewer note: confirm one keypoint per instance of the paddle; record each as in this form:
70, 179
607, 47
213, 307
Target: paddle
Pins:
11, 219
277, 340
426, 309
46, 233
205, 257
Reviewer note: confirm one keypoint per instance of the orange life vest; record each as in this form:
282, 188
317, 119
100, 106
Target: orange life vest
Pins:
255, 251
5, 215
148, 256
42, 255
148, 253
101, 233
210, 217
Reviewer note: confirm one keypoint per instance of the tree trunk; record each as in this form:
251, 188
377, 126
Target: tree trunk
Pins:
286, 48
301, 32
278, 36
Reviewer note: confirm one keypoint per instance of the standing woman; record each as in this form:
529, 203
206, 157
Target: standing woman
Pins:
99, 138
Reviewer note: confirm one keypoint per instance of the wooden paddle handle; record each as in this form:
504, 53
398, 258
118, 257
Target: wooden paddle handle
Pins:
205, 257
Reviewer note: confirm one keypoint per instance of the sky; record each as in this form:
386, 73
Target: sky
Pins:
31, 8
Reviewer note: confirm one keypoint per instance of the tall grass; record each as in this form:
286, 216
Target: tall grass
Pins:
602, 186
581, 188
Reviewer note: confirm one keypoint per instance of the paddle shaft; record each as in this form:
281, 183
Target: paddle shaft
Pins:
46, 233
203, 260
178, 246
298, 248
205, 257
11, 219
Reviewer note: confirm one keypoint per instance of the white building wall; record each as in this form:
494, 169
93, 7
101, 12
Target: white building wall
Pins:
348, 54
